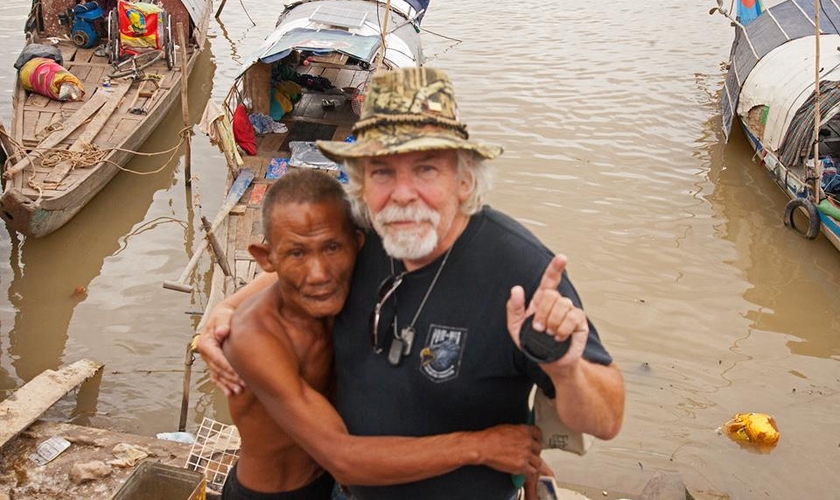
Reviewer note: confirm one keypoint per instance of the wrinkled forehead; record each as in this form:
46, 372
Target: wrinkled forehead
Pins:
310, 220
445, 157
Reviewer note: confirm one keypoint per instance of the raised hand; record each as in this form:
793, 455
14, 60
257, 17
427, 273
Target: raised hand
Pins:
553, 313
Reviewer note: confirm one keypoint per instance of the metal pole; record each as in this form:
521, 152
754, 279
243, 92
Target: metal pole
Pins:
817, 118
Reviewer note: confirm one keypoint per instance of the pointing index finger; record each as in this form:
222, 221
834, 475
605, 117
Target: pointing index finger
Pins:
553, 273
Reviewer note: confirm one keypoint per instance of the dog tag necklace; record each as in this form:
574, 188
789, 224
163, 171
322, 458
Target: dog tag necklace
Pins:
404, 340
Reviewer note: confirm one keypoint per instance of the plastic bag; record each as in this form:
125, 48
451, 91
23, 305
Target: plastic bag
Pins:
34, 50
756, 428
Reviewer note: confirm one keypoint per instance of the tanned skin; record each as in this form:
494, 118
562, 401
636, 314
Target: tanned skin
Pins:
280, 344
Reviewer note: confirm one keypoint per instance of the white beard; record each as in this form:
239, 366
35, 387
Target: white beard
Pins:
408, 244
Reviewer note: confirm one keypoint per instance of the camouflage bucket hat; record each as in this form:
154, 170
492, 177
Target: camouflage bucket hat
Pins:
404, 111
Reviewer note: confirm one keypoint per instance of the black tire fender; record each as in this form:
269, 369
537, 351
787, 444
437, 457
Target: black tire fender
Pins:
813, 216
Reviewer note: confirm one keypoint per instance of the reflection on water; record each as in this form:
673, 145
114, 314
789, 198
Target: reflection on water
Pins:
612, 156
789, 274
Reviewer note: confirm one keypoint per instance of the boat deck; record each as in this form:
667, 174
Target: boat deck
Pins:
313, 118
41, 116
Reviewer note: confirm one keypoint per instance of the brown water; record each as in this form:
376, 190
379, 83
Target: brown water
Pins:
608, 114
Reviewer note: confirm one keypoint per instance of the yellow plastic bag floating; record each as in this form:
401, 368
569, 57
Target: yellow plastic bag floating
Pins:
756, 428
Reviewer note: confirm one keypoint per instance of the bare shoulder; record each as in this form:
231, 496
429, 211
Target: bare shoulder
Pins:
257, 318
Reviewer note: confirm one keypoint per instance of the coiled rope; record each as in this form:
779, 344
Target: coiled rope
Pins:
89, 156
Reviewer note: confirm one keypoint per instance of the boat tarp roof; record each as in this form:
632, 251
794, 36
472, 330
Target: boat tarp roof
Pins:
783, 81
295, 31
790, 20
798, 143
197, 9
358, 46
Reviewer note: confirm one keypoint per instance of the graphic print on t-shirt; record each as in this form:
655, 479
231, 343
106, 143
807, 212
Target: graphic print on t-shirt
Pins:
440, 359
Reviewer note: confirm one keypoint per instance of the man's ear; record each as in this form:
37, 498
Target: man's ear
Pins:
466, 184
360, 238
261, 252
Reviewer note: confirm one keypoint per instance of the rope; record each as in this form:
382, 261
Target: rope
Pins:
90, 155
447, 49
49, 129
185, 133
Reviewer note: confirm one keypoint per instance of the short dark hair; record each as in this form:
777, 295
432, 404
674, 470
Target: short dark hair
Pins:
304, 186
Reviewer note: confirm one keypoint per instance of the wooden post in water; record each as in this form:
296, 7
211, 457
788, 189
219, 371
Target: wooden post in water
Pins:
189, 359
817, 118
185, 107
221, 6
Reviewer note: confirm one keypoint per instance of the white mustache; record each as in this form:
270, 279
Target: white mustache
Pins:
416, 212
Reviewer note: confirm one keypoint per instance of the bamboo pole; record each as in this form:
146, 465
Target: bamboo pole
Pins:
380, 59
817, 117
185, 107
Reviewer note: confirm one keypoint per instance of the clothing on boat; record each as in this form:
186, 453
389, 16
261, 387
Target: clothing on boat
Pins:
463, 373
319, 489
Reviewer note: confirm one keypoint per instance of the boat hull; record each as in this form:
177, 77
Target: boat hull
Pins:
790, 184
116, 115
770, 88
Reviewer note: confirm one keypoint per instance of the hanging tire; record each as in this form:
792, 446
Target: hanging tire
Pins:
813, 216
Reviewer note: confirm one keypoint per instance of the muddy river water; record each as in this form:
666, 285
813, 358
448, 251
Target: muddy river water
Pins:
613, 155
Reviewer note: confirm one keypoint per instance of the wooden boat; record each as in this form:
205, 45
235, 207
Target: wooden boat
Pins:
62, 153
771, 88
330, 49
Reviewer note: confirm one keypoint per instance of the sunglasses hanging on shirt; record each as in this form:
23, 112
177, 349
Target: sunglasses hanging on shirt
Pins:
403, 339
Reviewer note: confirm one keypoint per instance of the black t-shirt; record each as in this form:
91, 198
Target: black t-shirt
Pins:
464, 372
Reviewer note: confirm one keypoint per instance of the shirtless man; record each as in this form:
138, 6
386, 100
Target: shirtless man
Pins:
281, 345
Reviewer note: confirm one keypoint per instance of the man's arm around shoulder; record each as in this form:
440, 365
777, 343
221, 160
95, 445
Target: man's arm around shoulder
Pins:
269, 366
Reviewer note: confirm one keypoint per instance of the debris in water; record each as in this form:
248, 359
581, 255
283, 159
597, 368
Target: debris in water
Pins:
756, 428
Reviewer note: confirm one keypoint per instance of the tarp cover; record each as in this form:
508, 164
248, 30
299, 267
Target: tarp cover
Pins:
790, 20
325, 40
783, 81
295, 30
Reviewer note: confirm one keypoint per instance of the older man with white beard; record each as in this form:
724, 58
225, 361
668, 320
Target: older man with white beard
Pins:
441, 290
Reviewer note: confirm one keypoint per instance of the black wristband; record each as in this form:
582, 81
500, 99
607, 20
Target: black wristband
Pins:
541, 347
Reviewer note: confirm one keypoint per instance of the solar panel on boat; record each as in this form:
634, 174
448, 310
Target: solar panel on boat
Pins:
337, 16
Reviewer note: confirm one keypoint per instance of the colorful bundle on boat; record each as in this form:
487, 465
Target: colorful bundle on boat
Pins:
140, 25
46, 77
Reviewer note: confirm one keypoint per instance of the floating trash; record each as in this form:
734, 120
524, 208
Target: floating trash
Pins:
755, 428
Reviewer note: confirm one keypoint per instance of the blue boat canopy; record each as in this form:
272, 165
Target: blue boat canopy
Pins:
419, 6
778, 25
